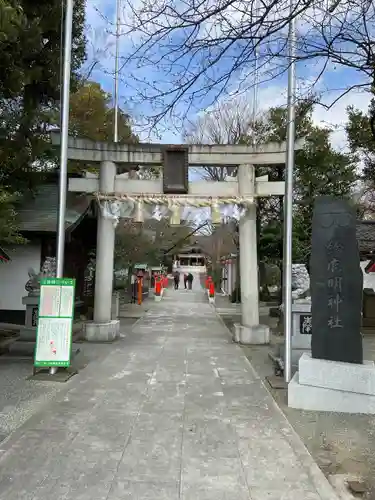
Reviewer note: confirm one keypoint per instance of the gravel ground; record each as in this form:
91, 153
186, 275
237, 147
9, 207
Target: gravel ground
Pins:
340, 443
21, 398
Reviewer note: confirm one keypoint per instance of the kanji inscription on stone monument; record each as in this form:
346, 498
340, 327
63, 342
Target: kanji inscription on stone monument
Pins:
336, 283
305, 324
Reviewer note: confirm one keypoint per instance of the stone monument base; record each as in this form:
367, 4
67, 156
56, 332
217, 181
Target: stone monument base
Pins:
28, 332
301, 332
102, 332
251, 335
323, 385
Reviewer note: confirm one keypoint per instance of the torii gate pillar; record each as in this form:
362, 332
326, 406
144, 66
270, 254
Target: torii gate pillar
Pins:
103, 328
250, 331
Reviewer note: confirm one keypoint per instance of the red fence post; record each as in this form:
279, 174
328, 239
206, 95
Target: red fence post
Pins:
157, 287
140, 290
208, 281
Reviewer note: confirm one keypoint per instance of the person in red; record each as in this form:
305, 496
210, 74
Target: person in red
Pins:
185, 280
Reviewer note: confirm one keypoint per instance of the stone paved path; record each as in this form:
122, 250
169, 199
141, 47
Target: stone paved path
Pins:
174, 412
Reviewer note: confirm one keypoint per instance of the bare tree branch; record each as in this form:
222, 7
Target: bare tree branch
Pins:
230, 122
186, 54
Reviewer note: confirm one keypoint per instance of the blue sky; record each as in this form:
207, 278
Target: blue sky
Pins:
101, 48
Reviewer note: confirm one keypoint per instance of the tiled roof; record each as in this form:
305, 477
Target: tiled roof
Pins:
39, 213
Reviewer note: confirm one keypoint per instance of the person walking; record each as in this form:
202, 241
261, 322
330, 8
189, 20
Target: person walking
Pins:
185, 280
176, 278
190, 278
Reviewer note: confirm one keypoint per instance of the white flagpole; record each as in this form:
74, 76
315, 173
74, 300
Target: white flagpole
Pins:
64, 138
256, 85
63, 179
117, 55
288, 203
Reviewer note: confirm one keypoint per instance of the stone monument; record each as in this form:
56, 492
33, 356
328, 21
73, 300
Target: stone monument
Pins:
334, 377
336, 283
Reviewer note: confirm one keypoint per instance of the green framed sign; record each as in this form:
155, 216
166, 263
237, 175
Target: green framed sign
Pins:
55, 322
140, 266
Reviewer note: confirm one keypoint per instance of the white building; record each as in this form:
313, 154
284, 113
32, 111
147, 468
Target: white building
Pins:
38, 224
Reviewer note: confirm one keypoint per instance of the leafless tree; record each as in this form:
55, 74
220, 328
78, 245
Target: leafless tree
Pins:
364, 200
229, 122
187, 54
219, 243
225, 123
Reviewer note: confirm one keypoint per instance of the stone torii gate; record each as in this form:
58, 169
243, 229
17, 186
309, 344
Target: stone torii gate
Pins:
109, 155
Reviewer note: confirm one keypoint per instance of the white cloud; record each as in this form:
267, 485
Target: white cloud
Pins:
336, 116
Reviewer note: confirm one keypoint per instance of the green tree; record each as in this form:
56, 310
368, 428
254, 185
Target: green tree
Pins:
9, 233
362, 140
92, 117
30, 53
30, 58
320, 170
148, 242
270, 216
132, 246
31, 49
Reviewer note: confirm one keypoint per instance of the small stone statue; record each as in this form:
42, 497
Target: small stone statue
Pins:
48, 269
300, 282
300, 285
32, 286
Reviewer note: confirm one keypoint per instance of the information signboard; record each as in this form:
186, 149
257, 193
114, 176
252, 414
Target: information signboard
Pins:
55, 322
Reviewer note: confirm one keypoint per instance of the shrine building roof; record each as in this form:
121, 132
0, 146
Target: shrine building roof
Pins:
38, 213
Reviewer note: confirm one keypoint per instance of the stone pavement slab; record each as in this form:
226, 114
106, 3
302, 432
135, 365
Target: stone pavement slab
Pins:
174, 412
